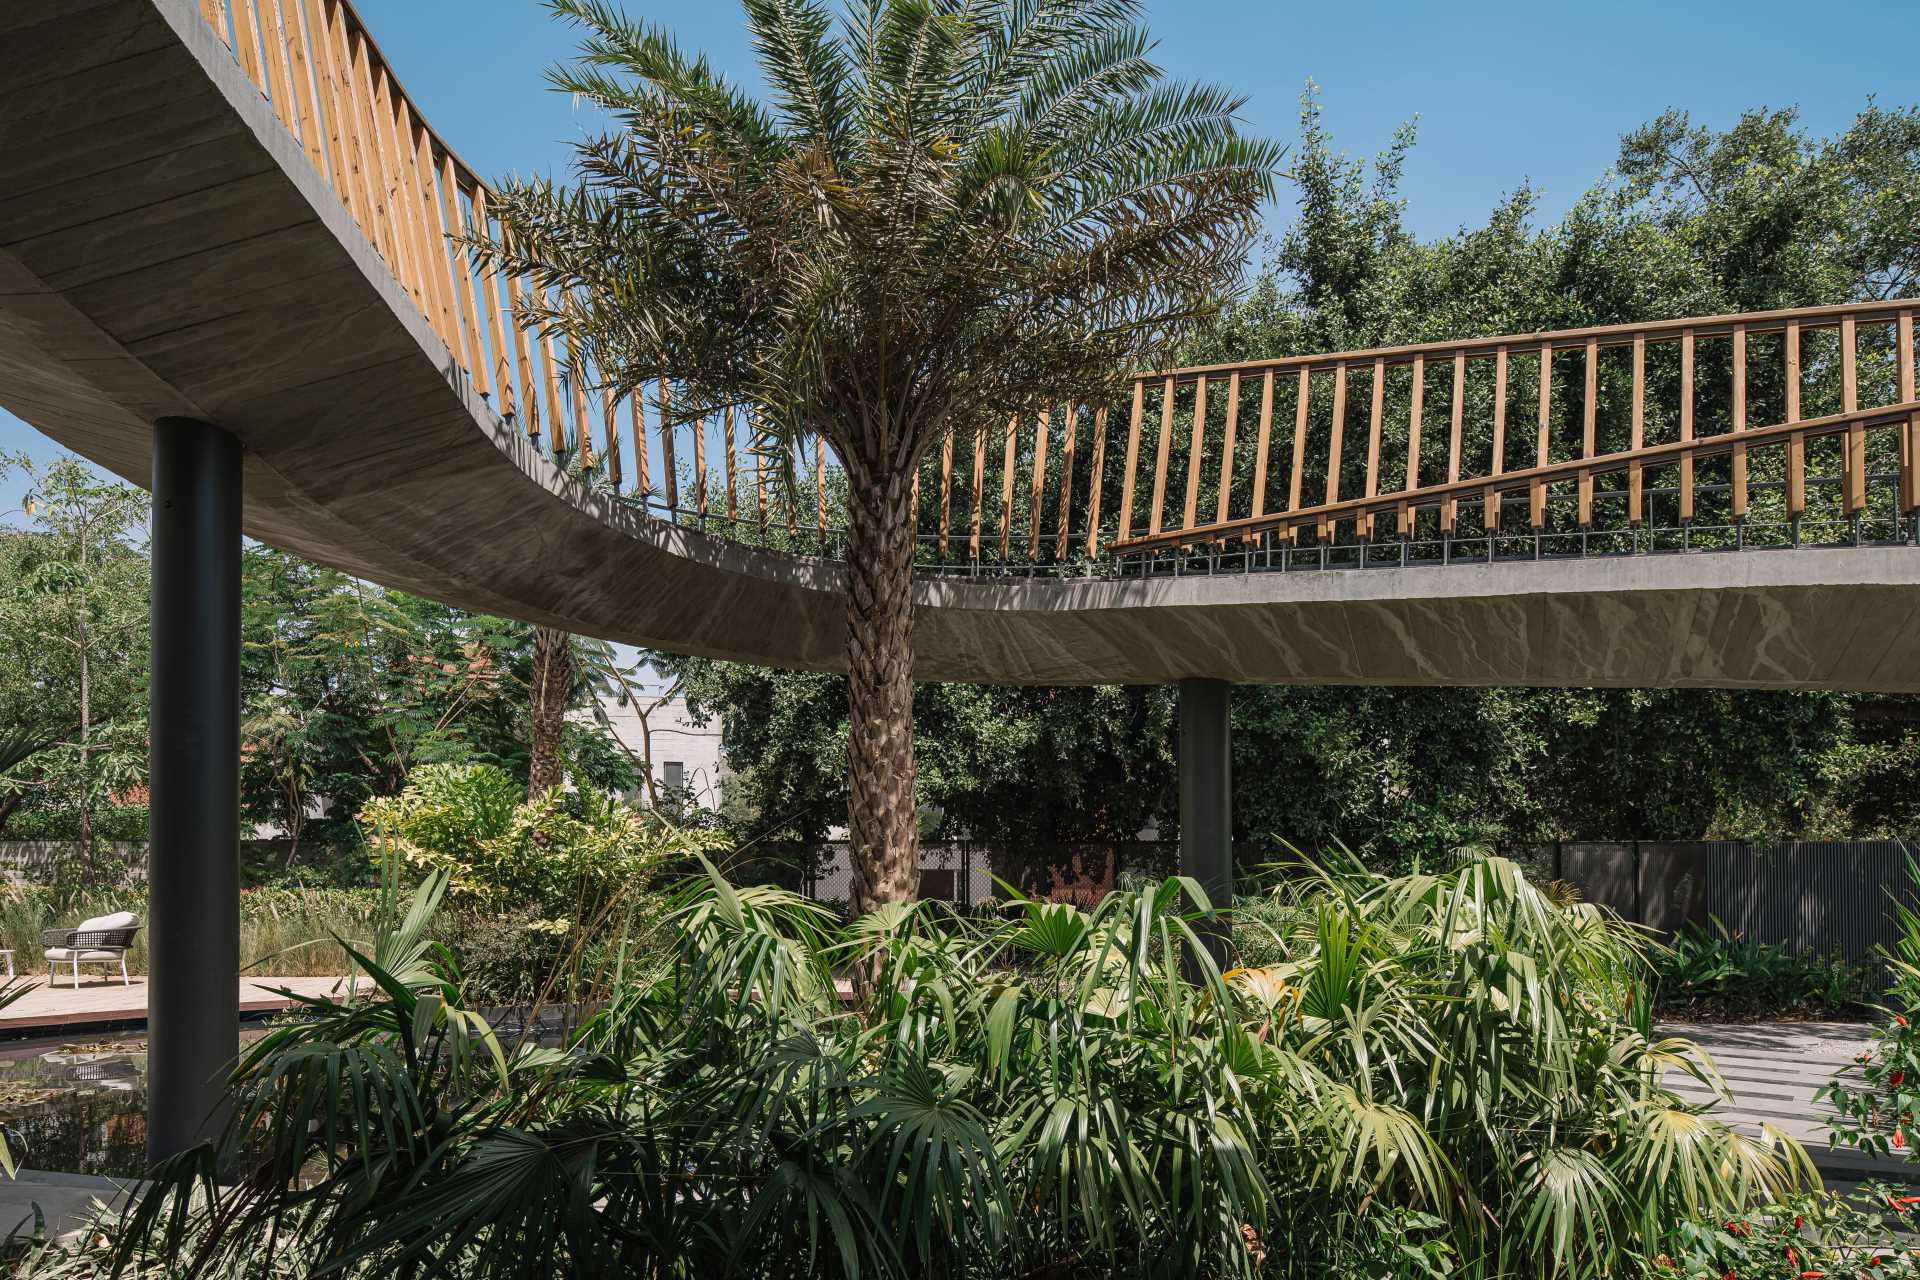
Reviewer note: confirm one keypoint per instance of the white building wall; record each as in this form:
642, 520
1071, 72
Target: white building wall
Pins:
679, 747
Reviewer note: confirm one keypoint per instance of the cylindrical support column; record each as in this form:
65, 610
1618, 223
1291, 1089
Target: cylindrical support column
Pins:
193, 859
1206, 800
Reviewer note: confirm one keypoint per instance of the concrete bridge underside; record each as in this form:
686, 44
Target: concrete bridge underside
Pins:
167, 249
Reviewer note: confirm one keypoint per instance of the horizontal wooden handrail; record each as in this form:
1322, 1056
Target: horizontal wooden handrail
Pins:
1606, 335
1429, 495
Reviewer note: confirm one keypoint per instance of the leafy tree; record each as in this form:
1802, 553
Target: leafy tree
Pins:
946, 214
73, 620
1690, 221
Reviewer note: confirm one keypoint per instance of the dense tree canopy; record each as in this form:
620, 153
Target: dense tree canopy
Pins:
1689, 221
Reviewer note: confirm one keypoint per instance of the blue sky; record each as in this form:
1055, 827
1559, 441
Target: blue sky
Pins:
1504, 92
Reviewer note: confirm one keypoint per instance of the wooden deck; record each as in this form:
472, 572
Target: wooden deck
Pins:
1774, 1069
100, 1002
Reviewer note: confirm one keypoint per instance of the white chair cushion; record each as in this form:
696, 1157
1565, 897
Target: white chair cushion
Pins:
118, 920
62, 955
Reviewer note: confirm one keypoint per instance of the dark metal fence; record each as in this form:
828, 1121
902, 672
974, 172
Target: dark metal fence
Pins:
1822, 896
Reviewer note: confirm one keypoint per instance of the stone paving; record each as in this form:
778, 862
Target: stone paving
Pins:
1773, 1070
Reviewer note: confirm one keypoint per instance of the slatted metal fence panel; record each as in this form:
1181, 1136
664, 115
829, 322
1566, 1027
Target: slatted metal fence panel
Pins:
1821, 896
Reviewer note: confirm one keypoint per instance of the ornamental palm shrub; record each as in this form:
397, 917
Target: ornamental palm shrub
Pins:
1425, 1075
942, 215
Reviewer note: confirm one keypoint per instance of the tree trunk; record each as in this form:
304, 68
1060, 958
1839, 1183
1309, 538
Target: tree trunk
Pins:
552, 691
881, 814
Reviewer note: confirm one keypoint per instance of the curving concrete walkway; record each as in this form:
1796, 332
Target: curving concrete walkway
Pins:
166, 248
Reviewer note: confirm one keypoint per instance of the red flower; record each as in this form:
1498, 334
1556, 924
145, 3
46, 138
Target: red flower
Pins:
1898, 1020
1897, 1079
1799, 1221
1899, 1138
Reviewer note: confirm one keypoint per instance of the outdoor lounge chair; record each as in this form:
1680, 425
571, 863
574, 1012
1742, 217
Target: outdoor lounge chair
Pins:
101, 940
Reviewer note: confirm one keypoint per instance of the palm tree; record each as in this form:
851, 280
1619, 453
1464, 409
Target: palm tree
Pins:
947, 213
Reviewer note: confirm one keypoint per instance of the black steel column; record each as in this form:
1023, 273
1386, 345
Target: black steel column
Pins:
1206, 800
193, 859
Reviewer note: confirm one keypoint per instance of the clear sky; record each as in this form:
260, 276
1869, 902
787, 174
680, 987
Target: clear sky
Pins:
1504, 92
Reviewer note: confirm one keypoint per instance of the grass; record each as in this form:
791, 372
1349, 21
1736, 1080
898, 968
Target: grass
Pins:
284, 933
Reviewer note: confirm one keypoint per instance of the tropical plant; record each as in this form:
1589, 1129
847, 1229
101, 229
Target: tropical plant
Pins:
1721, 975
1877, 1097
1803, 1237
947, 214
1430, 1075
565, 855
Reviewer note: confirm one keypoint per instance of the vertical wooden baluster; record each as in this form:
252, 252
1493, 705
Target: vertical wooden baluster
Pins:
1686, 425
351, 182
1375, 413
528, 402
1910, 438
1066, 482
1589, 409
946, 491
1133, 462
1636, 476
1039, 482
979, 492
1096, 472
215, 13
440, 260
1415, 412
1226, 450
1334, 443
1499, 439
469, 296
1160, 458
1856, 441
1451, 508
246, 43
302, 74
352, 127
1196, 449
699, 426
1299, 449
669, 471
1537, 489
1739, 421
636, 421
758, 449
355, 91
1006, 488
610, 426
550, 379
1261, 444
437, 250
273, 49
502, 373
582, 427
397, 142
820, 482
733, 500
1797, 442
793, 497
369, 87
466, 348
326, 91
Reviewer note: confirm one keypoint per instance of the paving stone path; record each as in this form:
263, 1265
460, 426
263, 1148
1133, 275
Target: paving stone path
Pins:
1774, 1069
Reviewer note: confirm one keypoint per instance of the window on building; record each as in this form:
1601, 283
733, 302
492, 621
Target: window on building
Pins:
673, 774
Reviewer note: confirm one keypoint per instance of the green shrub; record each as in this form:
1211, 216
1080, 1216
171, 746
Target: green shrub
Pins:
1714, 974
565, 856
1422, 1076
1806, 1235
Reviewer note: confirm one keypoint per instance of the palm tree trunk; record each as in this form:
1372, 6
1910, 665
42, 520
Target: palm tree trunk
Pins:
881, 814
552, 691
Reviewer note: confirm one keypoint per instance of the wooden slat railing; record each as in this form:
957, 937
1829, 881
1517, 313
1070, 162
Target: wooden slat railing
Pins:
1653, 402
1599, 418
